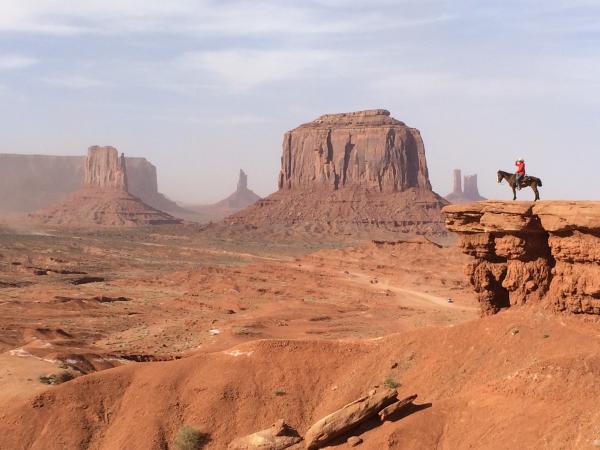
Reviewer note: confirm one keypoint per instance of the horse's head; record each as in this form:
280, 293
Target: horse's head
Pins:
500, 177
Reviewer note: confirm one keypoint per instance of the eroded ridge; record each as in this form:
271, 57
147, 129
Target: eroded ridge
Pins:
546, 253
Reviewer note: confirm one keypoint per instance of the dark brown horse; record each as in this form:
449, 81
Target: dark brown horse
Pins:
528, 180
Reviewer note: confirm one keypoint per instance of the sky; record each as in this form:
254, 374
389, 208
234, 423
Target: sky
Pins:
204, 88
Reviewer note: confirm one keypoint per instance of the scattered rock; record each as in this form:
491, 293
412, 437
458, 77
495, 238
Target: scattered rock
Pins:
353, 441
277, 437
394, 408
353, 414
86, 280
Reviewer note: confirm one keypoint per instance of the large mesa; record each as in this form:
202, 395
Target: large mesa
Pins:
367, 149
545, 253
103, 199
348, 171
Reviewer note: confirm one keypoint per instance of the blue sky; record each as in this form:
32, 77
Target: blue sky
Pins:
203, 88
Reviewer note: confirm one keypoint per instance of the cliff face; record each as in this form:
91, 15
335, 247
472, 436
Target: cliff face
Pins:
366, 148
32, 182
348, 172
105, 169
103, 199
523, 253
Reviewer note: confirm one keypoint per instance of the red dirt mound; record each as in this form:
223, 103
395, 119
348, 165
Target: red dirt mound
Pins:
518, 379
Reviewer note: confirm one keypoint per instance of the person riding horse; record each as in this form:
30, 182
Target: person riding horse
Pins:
520, 173
518, 179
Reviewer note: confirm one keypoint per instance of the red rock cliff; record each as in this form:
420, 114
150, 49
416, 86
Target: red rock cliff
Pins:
105, 169
364, 148
525, 253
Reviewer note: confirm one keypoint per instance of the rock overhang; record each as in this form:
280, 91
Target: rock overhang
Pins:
531, 252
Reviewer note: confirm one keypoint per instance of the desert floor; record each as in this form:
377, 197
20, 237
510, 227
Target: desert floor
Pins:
143, 310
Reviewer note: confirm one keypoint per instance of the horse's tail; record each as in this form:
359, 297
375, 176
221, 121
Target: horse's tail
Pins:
539, 182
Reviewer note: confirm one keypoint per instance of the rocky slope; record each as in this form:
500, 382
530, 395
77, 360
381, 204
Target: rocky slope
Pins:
362, 169
491, 384
525, 253
103, 199
32, 182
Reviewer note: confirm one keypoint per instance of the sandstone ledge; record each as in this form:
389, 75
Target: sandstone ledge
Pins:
524, 252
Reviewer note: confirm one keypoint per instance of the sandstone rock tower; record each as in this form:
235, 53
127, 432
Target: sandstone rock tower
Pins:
103, 198
240, 199
351, 171
470, 192
470, 187
105, 169
457, 185
242, 184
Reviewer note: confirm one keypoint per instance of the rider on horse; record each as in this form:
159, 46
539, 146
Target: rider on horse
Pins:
520, 173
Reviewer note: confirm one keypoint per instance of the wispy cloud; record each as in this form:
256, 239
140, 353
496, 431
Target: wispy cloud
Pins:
245, 69
237, 17
74, 82
13, 61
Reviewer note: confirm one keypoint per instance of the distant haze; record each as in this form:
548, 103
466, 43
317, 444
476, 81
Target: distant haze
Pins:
205, 88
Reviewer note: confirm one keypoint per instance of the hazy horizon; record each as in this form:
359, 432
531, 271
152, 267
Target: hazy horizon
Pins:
202, 89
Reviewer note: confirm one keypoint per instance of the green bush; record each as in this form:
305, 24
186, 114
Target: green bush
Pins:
391, 383
189, 438
56, 378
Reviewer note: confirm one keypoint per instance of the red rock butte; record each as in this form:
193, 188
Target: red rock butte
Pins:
359, 169
544, 253
103, 200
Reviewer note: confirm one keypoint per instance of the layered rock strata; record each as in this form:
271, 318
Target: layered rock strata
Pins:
365, 148
362, 169
545, 253
103, 199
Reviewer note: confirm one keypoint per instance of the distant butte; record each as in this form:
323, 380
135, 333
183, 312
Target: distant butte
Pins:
240, 199
103, 199
470, 193
343, 172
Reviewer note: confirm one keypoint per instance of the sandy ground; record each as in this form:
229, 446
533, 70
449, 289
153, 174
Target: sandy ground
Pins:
169, 327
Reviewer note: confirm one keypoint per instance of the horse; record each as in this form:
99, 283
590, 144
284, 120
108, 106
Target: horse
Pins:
528, 180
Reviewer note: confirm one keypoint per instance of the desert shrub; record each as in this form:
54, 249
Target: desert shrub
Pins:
56, 378
189, 438
279, 392
391, 383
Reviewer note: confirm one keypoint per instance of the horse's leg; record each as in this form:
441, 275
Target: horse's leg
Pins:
514, 192
537, 193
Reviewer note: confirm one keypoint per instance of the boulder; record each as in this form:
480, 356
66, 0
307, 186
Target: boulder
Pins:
277, 437
343, 420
